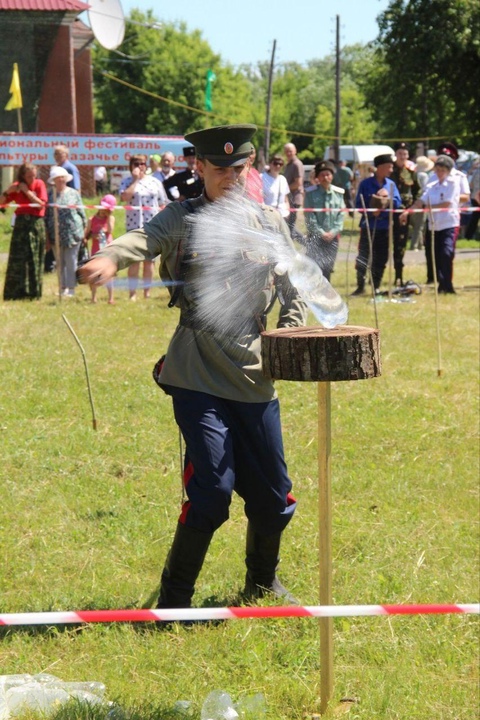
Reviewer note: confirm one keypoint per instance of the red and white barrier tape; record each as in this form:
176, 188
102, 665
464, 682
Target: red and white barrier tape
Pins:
85, 207
305, 210
229, 613
384, 210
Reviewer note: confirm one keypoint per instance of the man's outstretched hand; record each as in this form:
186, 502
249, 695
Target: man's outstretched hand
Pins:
97, 271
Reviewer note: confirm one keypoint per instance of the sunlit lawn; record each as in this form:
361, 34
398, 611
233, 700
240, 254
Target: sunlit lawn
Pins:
87, 517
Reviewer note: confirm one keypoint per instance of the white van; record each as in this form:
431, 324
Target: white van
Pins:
359, 157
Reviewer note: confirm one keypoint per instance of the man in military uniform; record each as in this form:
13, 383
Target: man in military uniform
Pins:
187, 184
324, 228
226, 408
451, 151
374, 192
409, 188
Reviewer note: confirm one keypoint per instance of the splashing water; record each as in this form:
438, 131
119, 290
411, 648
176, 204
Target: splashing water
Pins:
234, 246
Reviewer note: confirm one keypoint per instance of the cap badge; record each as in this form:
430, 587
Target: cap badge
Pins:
228, 147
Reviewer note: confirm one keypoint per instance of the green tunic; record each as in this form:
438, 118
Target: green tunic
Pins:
204, 360
320, 223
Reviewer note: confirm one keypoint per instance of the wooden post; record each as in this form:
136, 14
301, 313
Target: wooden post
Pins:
390, 244
325, 541
435, 289
319, 355
58, 249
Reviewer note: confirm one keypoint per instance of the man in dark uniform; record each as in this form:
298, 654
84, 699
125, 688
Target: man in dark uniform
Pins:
408, 186
187, 184
374, 193
226, 408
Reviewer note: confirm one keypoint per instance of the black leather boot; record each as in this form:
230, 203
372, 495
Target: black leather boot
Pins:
262, 559
182, 567
360, 286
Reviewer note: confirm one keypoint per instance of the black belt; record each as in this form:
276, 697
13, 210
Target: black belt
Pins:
241, 326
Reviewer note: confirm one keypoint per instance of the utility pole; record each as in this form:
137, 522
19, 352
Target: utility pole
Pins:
269, 103
336, 145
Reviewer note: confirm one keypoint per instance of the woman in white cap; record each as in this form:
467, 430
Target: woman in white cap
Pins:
71, 226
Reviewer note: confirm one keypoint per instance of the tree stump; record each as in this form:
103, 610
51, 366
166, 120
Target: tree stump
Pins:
320, 355
317, 354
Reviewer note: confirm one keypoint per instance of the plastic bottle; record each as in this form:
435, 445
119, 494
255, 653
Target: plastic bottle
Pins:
315, 290
34, 696
8, 681
183, 709
3, 709
102, 239
218, 705
43, 693
251, 707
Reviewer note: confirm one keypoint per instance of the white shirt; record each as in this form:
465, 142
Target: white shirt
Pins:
275, 192
160, 175
462, 180
149, 193
100, 173
446, 191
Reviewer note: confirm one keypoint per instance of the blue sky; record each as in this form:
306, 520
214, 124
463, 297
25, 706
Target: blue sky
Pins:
243, 31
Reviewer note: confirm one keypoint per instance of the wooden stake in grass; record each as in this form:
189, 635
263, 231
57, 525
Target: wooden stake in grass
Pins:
94, 419
390, 244
435, 290
347, 288
58, 249
320, 355
370, 258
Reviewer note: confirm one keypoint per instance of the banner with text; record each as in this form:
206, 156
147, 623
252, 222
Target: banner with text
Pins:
109, 150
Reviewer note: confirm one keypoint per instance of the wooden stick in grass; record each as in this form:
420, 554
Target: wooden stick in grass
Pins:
370, 258
94, 419
58, 249
435, 290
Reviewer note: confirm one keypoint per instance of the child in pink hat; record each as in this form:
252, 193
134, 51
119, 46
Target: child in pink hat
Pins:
100, 231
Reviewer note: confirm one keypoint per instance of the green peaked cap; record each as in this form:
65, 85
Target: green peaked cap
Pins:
225, 145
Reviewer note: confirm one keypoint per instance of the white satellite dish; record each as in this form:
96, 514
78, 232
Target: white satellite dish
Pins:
107, 22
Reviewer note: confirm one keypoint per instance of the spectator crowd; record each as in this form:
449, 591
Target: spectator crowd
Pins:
51, 230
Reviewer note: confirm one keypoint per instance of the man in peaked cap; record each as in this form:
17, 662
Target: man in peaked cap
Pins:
450, 150
374, 192
186, 184
227, 410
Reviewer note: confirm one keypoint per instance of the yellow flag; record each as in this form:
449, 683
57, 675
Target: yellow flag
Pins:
16, 99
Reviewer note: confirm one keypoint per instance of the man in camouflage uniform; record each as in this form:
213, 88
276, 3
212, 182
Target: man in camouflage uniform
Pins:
224, 405
408, 186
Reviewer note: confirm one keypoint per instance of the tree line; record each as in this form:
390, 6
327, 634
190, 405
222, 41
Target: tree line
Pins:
418, 79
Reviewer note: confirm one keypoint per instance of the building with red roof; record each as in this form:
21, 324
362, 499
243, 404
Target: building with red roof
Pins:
51, 46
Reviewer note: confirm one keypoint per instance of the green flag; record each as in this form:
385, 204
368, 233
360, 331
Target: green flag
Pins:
211, 77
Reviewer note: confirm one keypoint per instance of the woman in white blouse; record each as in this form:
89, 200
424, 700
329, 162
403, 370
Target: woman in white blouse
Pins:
146, 196
275, 187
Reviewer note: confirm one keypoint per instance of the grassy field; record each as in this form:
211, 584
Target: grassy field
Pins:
87, 517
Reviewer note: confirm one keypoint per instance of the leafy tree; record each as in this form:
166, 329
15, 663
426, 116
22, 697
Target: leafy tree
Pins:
304, 102
166, 60
170, 62
425, 79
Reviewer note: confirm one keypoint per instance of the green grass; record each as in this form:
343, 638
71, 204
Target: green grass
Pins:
87, 517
